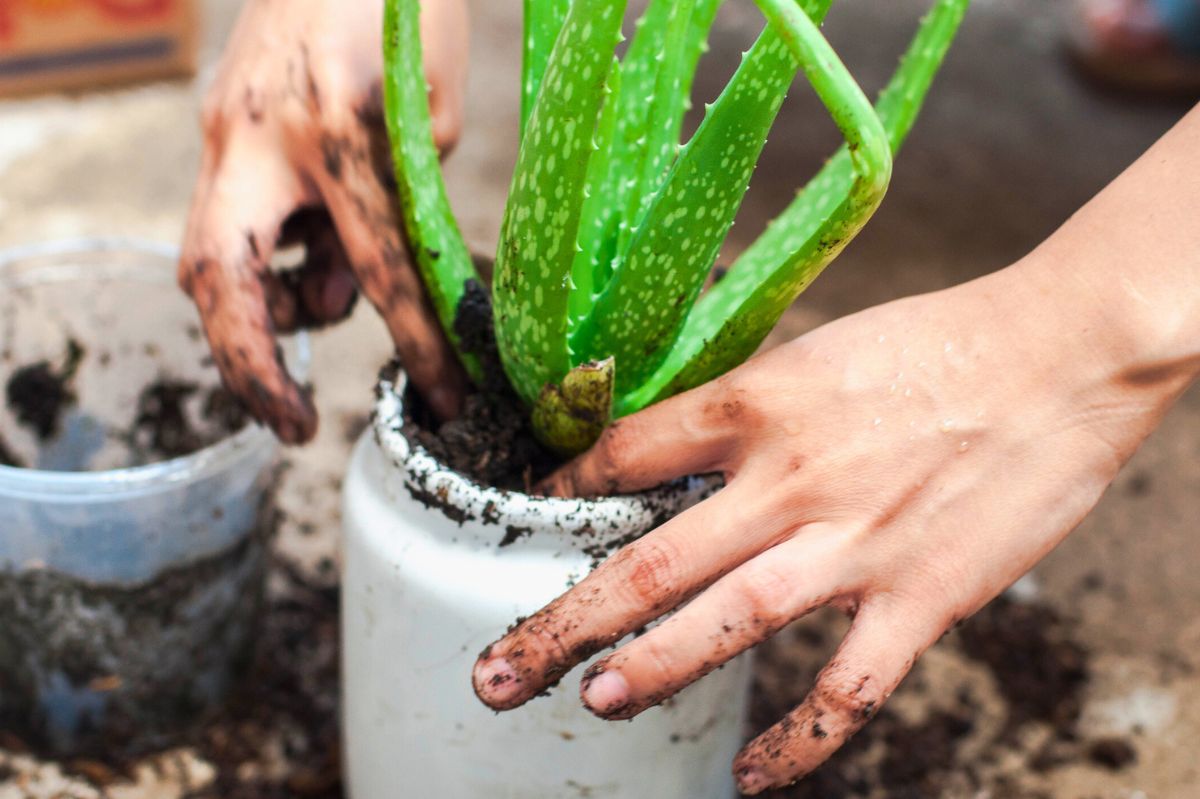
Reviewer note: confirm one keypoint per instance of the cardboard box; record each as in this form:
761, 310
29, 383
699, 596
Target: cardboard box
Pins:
75, 44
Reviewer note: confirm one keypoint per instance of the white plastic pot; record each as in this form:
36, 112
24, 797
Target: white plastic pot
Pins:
436, 567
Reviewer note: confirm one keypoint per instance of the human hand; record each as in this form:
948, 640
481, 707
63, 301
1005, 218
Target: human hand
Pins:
295, 150
905, 464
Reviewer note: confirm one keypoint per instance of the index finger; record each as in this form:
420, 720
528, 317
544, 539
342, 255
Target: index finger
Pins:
231, 232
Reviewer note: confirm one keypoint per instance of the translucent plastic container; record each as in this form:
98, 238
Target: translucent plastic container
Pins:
129, 594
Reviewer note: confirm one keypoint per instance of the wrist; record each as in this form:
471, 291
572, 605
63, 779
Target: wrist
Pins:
1124, 348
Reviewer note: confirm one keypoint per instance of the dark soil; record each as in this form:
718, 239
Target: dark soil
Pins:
492, 441
149, 654
164, 429
277, 738
38, 393
173, 418
291, 697
1041, 672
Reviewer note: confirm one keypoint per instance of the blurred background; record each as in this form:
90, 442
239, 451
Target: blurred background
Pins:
1081, 683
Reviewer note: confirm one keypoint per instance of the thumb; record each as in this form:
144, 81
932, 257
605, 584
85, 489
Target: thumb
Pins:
692, 433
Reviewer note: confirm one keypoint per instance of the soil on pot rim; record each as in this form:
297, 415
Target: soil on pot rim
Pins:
492, 442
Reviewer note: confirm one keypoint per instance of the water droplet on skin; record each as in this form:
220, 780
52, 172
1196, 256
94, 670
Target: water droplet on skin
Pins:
892, 388
882, 338
963, 446
947, 347
908, 392
946, 426
877, 421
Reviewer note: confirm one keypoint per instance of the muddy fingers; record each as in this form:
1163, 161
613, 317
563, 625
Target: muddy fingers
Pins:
875, 656
740, 610
641, 583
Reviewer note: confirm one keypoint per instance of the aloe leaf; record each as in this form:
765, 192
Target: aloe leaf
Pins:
630, 106
543, 21
638, 316
541, 221
437, 245
586, 270
732, 319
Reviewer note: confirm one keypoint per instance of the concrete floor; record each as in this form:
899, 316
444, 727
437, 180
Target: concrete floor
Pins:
1009, 145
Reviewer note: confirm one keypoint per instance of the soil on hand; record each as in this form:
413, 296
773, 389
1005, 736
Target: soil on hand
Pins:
492, 441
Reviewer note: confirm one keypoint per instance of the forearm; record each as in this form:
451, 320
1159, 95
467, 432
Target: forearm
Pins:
1124, 272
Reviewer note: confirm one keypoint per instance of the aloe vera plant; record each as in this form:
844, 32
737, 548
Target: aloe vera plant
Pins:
612, 226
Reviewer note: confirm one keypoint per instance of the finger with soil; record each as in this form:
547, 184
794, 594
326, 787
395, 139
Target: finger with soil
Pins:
640, 583
742, 609
875, 656
222, 267
367, 220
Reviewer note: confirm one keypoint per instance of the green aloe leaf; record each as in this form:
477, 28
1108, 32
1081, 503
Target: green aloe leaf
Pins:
543, 22
436, 243
541, 221
732, 319
586, 271
641, 311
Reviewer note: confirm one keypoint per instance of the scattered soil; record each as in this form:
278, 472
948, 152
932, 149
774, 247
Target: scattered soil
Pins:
279, 737
38, 393
164, 428
173, 417
492, 441
1040, 672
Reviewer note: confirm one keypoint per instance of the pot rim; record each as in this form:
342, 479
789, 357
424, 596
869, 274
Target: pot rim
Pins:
501, 506
251, 441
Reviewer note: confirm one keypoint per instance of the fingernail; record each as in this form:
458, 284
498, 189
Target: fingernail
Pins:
495, 681
751, 780
606, 692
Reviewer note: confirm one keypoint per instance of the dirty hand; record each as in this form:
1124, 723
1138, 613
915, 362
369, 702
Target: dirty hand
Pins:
905, 465
295, 151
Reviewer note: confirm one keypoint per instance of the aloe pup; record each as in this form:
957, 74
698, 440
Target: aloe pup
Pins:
612, 227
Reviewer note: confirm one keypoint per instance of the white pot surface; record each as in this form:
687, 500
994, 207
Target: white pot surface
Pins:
436, 567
